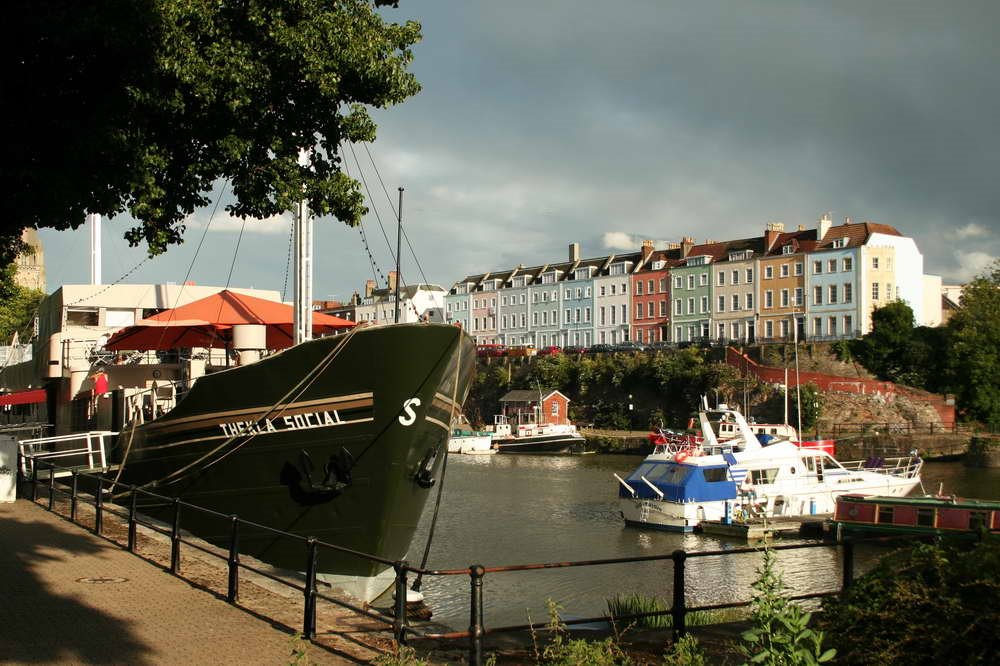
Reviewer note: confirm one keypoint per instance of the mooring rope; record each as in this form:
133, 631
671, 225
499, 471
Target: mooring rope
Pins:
444, 469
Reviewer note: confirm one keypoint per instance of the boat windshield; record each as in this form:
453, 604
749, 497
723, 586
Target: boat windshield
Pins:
658, 471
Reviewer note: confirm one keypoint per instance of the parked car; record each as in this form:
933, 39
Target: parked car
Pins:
522, 350
574, 349
550, 350
629, 346
600, 349
490, 350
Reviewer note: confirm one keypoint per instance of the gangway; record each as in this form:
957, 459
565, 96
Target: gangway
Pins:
90, 455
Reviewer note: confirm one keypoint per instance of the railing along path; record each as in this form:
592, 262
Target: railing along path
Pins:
312, 548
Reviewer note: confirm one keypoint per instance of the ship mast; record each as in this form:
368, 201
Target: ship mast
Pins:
94, 222
302, 233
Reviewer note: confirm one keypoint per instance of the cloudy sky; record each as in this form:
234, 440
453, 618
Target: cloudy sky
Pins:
545, 123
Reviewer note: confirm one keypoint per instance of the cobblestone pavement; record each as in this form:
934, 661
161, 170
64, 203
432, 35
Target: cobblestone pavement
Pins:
67, 596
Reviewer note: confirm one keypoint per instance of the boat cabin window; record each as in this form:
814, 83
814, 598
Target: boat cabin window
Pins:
118, 317
925, 517
667, 473
82, 316
658, 472
978, 520
715, 475
763, 476
885, 514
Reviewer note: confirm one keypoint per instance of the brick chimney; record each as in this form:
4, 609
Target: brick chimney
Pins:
369, 288
647, 249
574, 252
686, 244
771, 233
392, 281
823, 226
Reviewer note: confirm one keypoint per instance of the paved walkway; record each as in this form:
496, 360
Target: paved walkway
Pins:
130, 612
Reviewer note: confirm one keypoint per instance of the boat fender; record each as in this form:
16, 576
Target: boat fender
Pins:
681, 456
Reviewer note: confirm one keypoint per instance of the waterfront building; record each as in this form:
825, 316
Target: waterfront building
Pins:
824, 280
735, 289
651, 293
544, 301
458, 302
782, 283
485, 299
514, 307
578, 292
834, 301
346, 310
611, 298
417, 302
692, 292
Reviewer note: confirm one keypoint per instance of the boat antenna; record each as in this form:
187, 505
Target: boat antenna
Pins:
399, 240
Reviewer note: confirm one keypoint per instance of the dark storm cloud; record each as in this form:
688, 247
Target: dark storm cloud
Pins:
543, 123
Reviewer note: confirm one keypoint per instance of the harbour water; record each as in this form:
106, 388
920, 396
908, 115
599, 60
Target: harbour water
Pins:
504, 510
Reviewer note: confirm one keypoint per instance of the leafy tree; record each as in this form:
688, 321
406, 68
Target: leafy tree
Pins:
142, 106
888, 349
926, 604
17, 306
974, 331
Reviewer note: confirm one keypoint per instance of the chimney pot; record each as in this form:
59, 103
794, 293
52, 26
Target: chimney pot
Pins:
823, 227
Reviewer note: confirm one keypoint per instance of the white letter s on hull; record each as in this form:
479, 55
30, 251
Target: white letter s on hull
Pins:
408, 416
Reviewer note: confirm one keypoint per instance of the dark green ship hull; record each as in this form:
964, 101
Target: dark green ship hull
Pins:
341, 439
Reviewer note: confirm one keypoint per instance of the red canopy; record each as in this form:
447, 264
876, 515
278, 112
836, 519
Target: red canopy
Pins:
208, 322
23, 397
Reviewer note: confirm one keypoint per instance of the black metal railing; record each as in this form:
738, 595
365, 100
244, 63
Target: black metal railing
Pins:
312, 549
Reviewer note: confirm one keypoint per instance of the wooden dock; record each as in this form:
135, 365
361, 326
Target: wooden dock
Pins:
760, 529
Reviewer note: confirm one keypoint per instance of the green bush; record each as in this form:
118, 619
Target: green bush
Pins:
780, 635
926, 604
685, 652
564, 651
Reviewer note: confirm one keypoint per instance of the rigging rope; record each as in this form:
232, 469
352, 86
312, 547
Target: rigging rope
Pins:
376, 271
298, 390
396, 212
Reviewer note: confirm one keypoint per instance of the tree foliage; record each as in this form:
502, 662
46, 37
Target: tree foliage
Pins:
929, 604
141, 106
888, 350
974, 333
962, 357
17, 306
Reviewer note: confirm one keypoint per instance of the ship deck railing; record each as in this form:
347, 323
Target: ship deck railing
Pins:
90, 455
906, 467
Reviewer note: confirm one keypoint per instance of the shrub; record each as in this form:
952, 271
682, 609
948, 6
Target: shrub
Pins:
564, 651
781, 635
925, 604
685, 652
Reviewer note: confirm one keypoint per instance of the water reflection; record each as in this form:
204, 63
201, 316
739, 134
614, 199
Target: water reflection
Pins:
511, 509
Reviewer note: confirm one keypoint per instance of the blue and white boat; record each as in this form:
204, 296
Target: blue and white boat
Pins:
730, 474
